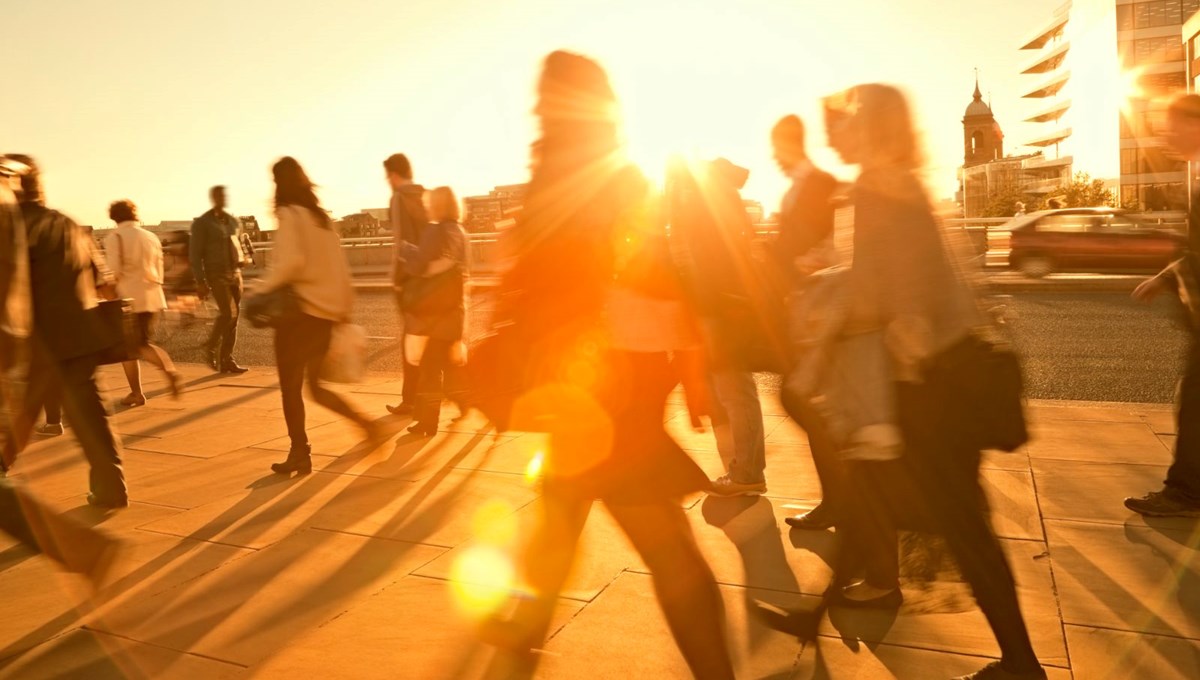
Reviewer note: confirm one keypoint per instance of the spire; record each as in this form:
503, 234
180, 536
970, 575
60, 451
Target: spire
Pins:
978, 95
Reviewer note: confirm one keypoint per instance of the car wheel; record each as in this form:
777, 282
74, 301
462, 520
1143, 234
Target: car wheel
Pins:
1036, 266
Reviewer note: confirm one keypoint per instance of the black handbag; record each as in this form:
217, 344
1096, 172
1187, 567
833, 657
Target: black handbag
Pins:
986, 379
118, 327
272, 309
432, 295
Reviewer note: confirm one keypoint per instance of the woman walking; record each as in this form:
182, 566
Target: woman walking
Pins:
904, 285
600, 322
135, 257
308, 258
436, 306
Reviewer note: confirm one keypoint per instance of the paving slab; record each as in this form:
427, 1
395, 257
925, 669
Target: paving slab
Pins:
1098, 442
1162, 422
415, 628
623, 634
64, 474
208, 439
1134, 578
99, 656
1099, 654
193, 482
1095, 492
1013, 504
243, 612
1042, 412
833, 659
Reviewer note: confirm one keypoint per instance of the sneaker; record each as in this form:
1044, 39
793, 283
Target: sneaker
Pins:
1162, 504
50, 430
725, 486
994, 671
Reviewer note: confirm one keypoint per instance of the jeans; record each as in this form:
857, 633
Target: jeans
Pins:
737, 398
1183, 477
226, 292
300, 347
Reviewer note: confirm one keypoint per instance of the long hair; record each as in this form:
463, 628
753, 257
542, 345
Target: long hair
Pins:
884, 124
443, 205
293, 187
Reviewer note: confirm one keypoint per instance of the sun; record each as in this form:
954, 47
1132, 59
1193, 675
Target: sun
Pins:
1130, 88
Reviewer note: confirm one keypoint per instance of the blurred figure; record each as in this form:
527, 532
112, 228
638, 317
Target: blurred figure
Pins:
135, 258
308, 257
407, 215
1180, 496
904, 284
216, 255
435, 325
711, 235
1020, 209
804, 246
66, 325
602, 314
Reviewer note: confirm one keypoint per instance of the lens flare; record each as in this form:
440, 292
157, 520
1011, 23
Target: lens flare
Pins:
482, 578
533, 471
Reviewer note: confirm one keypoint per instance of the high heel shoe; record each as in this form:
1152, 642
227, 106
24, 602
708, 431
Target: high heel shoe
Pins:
424, 429
299, 460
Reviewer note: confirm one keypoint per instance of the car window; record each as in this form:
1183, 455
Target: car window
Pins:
1065, 224
1121, 224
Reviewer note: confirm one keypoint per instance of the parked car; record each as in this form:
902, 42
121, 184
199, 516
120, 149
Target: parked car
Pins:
1097, 240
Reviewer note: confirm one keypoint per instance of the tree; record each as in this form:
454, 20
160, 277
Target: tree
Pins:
1084, 192
1003, 201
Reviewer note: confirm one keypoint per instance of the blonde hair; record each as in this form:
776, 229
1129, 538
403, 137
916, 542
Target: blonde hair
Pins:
884, 124
443, 205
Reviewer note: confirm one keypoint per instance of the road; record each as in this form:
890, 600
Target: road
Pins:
1075, 345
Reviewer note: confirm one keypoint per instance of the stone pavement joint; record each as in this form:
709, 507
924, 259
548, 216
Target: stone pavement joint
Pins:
378, 564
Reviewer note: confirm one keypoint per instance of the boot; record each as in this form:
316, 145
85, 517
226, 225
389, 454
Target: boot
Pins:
299, 460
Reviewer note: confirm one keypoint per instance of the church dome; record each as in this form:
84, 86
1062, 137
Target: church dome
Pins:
977, 107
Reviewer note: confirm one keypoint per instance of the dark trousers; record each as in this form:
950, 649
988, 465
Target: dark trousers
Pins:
226, 292
820, 442
439, 378
411, 388
935, 487
300, 347
85, 409
1183, 477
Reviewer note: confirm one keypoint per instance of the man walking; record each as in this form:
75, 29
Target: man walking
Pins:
216, 256
803, 246
1180, 496
406, 213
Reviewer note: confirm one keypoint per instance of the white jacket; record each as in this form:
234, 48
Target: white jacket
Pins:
136, 259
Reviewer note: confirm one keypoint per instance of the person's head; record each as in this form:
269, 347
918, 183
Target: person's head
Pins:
1056, 203
1020, 207
31, 179
122, 211
398, 170
872, 126
293, 187
577, 111
787, 141
1183, 126
443, 205
217, 196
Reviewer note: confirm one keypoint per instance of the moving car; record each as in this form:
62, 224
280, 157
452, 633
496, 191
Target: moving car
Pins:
1099, 240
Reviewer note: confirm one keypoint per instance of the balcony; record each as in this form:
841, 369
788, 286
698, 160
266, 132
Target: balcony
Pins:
1050, 60
1051, 114
1044, 186
1050, 87
1051, 139
1044, 164
1044, 36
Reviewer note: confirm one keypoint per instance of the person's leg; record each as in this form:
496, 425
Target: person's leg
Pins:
52, 401
683, 581
1183, 477
43, 380
222, 296
133, 374
289, 362
434, 362
81, 398
946, 467
825, 459
235, 306
870, 539
739, 399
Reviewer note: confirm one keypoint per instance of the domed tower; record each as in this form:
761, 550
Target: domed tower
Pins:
982, 140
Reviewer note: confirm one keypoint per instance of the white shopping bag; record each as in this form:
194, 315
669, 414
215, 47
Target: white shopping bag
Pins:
346, 361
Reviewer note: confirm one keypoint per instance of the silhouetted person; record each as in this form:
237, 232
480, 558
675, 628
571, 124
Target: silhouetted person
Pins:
435, 323
135, 258
408, 219
1180, 495
67, 326
567, 285
308, 257
803, 246
216, 257
905, 286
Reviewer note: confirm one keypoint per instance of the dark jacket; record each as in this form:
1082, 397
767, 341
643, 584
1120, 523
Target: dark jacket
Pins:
64, 266
803, 224
408, 219
435, 303
211, 249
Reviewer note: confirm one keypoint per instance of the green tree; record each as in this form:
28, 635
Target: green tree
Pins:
1003, 201
1084, 192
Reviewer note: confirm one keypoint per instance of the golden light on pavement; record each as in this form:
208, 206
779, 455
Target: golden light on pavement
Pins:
533, 471
482, 580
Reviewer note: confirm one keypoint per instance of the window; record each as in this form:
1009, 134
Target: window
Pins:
1064, 224
1162, 84
1129, 161
1129, 196
1190, 7
1156, 13
1170, 196
1154, 50
1157, 159
1124, 17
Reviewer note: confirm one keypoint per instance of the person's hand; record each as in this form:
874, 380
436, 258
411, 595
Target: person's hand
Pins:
107, 291
1150, 289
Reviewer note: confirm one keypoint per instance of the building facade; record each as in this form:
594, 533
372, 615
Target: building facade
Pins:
481, 213
1152, 54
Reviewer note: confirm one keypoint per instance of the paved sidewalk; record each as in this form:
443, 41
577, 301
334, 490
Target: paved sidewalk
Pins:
375, 565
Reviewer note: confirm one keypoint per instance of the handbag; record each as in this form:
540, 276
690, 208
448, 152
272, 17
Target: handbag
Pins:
273, 308
441, 293
985, 377
117, 326
346, 360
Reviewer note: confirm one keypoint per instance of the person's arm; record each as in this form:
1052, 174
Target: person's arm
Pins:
197, 243
429, 257
112, 254
287, 260
398, 217
153, 259
1160, 283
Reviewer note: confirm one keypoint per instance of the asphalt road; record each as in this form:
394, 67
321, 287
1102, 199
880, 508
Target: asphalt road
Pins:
1076, 345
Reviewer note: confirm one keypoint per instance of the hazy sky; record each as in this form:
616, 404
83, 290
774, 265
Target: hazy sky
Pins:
156, 100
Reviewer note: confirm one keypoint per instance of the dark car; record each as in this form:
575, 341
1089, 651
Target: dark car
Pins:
1089, 240
177, 268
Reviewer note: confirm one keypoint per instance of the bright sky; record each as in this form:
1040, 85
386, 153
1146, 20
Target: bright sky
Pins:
156, 101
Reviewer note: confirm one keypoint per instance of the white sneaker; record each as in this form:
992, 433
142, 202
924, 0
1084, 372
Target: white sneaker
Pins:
725, 486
